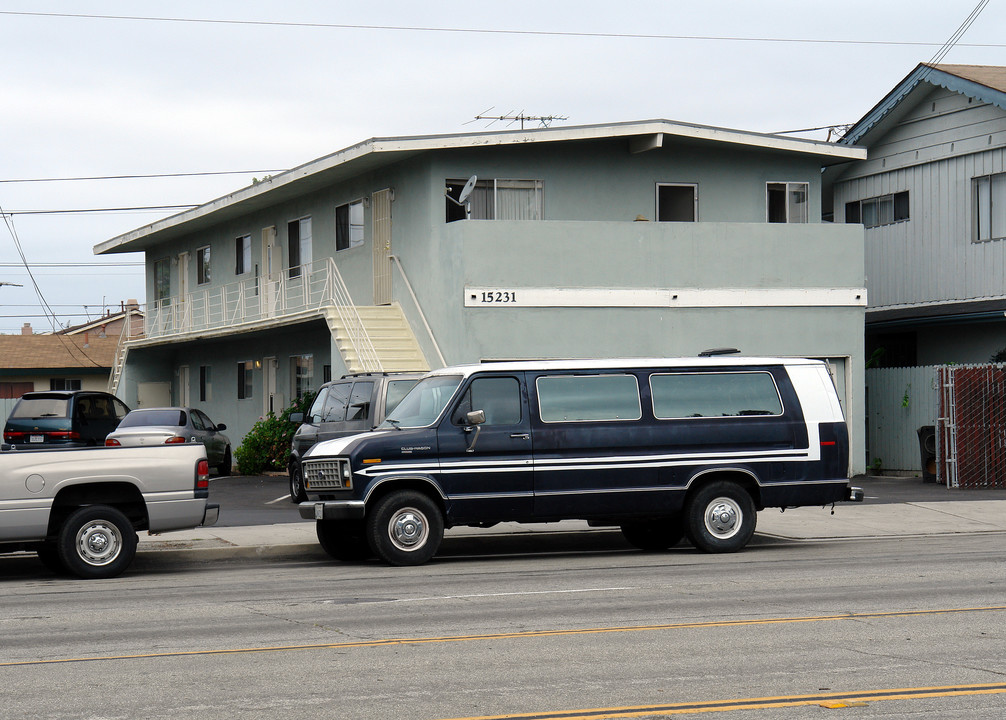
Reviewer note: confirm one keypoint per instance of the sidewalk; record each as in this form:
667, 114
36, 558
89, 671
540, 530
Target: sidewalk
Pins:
849, 521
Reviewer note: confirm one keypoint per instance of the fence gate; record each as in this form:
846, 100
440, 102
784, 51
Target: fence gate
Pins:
971, 426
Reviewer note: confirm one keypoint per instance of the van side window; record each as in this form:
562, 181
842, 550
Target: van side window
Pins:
335, 406
359, 401
688, 395
498, 397
579, 398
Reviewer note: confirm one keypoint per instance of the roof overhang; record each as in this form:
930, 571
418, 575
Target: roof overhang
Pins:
375, 153
967, 80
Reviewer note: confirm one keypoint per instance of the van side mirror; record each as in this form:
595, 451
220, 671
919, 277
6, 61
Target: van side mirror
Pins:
297, 417
476, 418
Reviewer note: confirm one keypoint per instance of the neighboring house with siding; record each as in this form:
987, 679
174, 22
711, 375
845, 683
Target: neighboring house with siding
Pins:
629, 239
54, 362
932, 197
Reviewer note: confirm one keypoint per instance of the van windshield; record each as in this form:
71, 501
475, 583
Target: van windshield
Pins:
424, 403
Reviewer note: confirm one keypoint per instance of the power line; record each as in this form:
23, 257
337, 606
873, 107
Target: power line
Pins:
489, 31
141, 177
100, 210
138, 263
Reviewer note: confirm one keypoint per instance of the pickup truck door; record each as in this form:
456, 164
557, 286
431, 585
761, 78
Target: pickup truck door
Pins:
486, 469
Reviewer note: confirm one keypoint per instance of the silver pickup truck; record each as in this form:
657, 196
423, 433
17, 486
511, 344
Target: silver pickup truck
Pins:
80, 509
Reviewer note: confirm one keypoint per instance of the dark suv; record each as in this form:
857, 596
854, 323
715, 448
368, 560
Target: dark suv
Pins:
65, 418
352, 404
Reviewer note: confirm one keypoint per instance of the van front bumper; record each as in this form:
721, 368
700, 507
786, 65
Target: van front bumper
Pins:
332, 509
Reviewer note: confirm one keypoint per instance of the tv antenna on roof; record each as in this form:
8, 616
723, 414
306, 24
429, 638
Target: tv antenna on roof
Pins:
514, 117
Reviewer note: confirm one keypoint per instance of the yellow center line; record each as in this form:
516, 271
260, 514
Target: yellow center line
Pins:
828, 700
517, 635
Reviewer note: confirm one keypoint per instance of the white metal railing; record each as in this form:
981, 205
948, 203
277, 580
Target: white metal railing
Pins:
314, 286
422, 315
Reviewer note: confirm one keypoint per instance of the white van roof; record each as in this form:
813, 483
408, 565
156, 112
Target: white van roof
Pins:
730, 361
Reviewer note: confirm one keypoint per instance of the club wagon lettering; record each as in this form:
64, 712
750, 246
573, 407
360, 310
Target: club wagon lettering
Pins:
661, 448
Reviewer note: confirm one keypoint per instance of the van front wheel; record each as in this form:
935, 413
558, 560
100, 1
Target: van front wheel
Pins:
405, 528
720, 517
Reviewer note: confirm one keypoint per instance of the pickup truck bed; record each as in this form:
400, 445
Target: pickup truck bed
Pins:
80, 509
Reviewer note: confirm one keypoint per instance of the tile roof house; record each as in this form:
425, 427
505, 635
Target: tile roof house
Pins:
54, 362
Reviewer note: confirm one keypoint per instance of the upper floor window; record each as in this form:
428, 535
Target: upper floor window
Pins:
787, 202
299, 235
877, 211
677, 202
989, 207
497, 200
242, 252
349, 225
203, 265
162, 281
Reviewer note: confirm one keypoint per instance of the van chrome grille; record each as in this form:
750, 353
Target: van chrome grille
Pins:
324, 474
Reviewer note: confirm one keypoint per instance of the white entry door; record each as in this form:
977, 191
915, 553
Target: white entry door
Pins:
183, 386
380, 220
272, 272
181, 308
271, 401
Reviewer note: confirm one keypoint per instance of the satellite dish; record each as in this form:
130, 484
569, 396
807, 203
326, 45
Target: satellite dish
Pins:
467, 189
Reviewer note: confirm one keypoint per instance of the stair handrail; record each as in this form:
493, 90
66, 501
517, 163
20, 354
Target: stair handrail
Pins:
422, 315
351, 321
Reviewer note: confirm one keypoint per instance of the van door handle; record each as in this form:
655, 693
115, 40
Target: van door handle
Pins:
521, 436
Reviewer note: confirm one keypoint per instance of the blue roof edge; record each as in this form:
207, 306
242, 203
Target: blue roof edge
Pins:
922, 73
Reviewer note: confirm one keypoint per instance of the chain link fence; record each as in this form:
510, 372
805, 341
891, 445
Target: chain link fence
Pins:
971, 426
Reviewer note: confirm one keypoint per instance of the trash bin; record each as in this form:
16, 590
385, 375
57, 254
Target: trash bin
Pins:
927, 449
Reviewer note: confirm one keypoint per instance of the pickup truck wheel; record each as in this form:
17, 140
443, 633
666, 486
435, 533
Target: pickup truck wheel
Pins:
224, 468
720, 517
297, 494
405, 528
96, 541
654, 535
343, 539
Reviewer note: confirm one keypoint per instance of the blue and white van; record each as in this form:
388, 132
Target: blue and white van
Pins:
661, 448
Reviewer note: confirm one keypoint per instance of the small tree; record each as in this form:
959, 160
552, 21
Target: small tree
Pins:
267, 444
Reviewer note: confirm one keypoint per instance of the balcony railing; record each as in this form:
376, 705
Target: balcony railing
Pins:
316, 286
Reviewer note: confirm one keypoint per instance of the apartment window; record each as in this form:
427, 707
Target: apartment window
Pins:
498, 199
787, 202
203, 265
244, 380
205, 384
299, 236
989, 207
242, 253
162, 281
64, 384
302, 375
677, 202
877, 211
349, 225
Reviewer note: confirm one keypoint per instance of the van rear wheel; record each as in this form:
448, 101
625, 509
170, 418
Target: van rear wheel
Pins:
654, 535
405, 528
720, 517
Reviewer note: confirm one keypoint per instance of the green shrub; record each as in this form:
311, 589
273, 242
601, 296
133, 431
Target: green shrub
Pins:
267, 444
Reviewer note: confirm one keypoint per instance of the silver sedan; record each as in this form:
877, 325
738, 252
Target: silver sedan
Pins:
166, 425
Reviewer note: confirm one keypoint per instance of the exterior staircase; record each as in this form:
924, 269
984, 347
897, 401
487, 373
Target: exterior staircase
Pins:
394, 343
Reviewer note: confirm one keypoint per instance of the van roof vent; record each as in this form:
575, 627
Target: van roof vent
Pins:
718, 351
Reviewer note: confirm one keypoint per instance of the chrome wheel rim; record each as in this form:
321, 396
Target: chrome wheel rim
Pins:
99, 543
723, 518
408, 529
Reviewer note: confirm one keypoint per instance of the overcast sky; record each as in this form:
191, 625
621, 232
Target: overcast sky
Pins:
271, 85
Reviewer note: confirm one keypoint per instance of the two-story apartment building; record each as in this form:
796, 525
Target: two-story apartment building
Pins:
628, 239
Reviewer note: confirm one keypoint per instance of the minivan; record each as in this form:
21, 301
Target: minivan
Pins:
65, 418
661, 448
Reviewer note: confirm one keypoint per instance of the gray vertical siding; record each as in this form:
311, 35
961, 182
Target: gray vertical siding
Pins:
893, 423
933, 153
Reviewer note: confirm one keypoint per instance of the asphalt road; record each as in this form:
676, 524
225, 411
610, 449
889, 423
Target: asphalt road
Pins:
873, 629
264, 499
